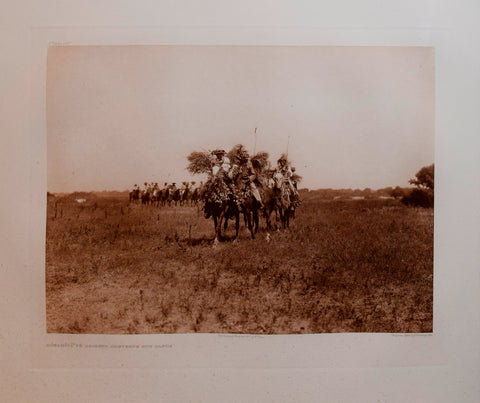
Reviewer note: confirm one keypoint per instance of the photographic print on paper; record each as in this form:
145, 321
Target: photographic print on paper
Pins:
239, 189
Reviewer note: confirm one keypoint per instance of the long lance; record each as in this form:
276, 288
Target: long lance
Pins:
255, 143
288, 143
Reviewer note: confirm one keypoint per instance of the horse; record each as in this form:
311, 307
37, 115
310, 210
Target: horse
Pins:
284, 205
134, 195
163, 196
195, 197
146, 197
155, 197
250, 208
174, 196
220, 210
249, 205
185, 196
270, 204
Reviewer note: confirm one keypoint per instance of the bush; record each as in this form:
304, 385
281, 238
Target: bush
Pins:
397, 193
419, 198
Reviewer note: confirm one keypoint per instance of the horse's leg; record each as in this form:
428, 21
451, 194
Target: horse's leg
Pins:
218, 232
268, 214
237, 223
215, 223
250, 224
256, 220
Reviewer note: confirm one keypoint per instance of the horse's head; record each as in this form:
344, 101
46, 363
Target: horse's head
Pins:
278, 180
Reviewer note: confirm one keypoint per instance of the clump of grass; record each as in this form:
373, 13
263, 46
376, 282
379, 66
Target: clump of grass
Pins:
166, 307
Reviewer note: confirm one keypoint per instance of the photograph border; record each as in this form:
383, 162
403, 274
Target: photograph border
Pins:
335, 350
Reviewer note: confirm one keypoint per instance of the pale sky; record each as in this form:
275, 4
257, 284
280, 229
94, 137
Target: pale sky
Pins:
353, 117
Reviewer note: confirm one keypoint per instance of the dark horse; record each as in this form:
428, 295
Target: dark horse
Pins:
174, 197
246, 203
195, 197
163, 196
250, 210
278, 199
270, 204
221, 211
220, 204
284, 205
185, 196
146, 198
134, 195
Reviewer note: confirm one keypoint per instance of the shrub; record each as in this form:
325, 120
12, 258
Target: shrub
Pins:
419, 198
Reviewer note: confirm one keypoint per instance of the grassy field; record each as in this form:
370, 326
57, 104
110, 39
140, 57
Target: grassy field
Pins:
343, 266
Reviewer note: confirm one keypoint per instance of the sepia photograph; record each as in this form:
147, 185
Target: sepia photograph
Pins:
240, 189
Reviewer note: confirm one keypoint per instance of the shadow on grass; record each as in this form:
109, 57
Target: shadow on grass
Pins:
208, 240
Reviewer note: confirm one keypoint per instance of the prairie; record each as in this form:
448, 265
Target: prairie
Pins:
342, 266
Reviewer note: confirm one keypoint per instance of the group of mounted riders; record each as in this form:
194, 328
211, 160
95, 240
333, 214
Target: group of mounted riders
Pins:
237, 184
242, 185
170, 194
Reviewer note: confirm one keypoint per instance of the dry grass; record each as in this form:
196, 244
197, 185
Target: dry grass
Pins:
344, 266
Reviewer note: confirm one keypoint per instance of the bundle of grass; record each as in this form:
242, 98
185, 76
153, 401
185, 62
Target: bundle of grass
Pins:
296, 178
238, 154
199, 162
284, 162
260, 161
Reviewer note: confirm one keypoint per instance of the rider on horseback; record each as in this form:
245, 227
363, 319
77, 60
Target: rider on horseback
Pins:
219, 174
284, 173
219, 187
249, 176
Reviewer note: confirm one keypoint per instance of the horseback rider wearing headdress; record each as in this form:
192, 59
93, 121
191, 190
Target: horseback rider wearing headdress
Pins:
249, 176
284, 173
219, 181
220, 163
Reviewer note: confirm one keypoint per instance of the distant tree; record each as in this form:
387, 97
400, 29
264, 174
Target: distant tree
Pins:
424, 179
423, 194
